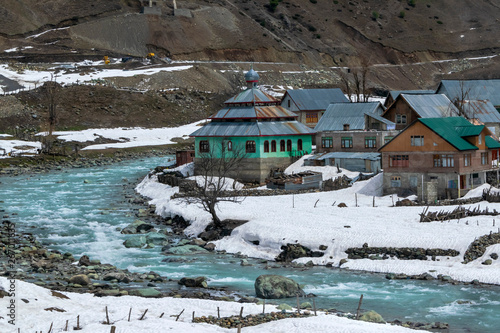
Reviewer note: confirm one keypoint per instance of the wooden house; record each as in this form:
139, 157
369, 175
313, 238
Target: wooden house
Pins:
253, 123
438, 158
310, 104
407, 108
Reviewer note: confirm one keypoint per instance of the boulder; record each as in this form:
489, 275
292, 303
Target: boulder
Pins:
137, 227
294, 251
119, 276
156, 238
135, 241
372, 317
197, 282
81, 279
487, 262
84, 261
284, 306
186, 249
146, 292
276, 286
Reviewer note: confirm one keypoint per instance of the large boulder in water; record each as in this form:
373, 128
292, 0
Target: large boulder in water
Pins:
197, 282
186, 249
156, 238
135, 241
276, 286
137, 227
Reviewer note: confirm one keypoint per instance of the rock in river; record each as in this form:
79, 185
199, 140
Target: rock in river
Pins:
276, 286
186, 249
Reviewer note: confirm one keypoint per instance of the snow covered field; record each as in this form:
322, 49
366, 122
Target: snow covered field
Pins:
36, 309
278, 220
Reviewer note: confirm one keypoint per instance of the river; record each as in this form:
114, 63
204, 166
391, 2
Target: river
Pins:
82, 210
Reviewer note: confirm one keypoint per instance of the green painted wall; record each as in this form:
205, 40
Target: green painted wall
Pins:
259, 143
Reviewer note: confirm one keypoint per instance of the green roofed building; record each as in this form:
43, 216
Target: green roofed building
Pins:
438, 158
253, 123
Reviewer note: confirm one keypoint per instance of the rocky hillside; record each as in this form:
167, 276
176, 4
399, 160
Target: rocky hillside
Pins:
406, 44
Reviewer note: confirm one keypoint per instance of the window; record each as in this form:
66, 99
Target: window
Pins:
288, 145
413, 181
282, 145
326, 142
399, 161
311, 117
250, 146
266, 146
444, 161
401, 119
484, 158
204, 146
273, 146
417, 140
288, 103
467, 160
395, 181
229, 146
370, 142
387, 139
346, 142
479, 139
299, 144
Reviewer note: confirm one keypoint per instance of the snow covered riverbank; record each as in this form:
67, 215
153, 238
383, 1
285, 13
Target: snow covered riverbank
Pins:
312, 219
38, 308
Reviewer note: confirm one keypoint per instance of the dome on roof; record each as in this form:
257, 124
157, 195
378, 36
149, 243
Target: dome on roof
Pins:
251, 76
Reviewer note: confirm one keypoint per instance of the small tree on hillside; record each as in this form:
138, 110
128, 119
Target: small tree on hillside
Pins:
358, 86
214, 168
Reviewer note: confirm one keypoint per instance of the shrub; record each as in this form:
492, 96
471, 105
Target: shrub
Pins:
439, 22
375, 15
402, 14
412, 3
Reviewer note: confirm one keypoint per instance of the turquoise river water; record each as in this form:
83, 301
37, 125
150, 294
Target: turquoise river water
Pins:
79, 211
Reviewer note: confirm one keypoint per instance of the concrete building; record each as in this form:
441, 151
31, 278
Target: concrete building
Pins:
353, 127
253, 122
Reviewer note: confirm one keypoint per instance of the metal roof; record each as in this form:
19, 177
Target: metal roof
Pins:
249, 112
254, 128
431, 106
395, 93
316, 99
491, 143
475, 89
483, 110
252, 95
362, 156
338, 114
447, 129
465, 131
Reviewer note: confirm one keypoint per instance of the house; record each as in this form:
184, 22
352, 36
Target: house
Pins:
310, 104
407, 108
253, 122
483, 112
438, 158
353, 127
459, 90
393, 94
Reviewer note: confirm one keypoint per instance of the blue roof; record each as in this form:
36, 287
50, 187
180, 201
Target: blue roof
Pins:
316, 99
254, 128
484, 111
474, 89
338, 114
431, 106
253, 112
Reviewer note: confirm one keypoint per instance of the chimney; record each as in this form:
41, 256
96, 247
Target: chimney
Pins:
346, 127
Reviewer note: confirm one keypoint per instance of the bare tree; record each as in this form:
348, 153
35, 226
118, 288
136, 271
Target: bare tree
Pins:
51, 95
358, 86
215, 167
461, 100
